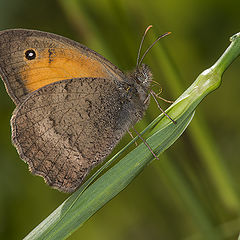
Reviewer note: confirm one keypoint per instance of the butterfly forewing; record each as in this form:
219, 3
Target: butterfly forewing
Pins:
32, 59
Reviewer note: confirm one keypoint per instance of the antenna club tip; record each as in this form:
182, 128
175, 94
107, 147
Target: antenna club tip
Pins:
147, 29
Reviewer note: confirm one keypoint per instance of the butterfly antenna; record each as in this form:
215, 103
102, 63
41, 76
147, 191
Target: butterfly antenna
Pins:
150, 47
140, 47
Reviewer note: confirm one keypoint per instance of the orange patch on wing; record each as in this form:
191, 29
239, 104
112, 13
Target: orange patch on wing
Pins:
59, 65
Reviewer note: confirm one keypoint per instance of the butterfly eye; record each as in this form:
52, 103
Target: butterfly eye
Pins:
30, 54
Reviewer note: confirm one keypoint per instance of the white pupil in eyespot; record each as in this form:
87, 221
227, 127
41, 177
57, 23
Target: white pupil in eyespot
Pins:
30, 54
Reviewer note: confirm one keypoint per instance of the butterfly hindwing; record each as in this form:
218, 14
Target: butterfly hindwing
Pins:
63, 129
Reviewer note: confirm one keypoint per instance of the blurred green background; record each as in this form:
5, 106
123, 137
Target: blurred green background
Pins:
193, 192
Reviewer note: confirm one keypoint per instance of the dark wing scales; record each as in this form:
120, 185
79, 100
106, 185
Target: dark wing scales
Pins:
64, 129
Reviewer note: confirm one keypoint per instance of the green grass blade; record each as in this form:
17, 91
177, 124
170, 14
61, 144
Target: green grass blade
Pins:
107, 186
81, 205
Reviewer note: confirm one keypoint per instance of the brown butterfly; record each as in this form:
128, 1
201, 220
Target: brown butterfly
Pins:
72, 105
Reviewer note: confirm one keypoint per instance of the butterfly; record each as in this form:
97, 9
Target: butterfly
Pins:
72, 105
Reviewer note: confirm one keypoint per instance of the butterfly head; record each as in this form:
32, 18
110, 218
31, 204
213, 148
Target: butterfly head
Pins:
141, 78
